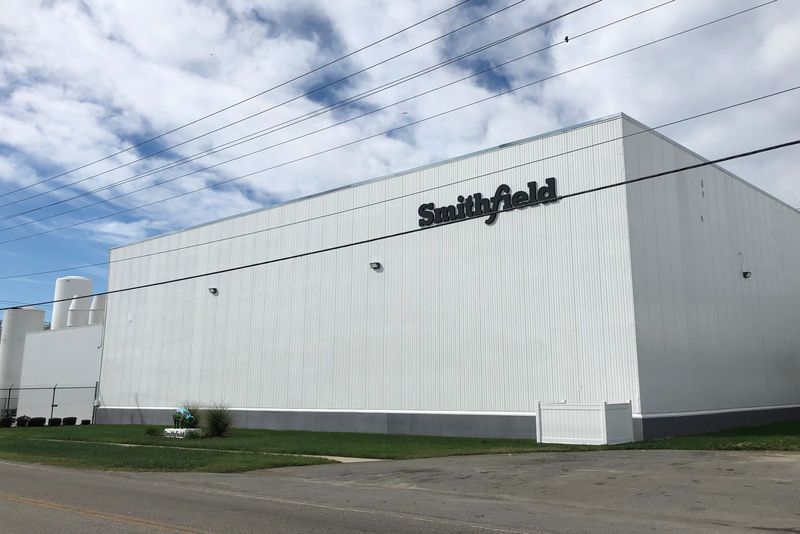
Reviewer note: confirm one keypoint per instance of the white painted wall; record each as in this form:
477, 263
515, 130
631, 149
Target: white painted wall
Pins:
17, 324
67, 357
708, 339
466, 318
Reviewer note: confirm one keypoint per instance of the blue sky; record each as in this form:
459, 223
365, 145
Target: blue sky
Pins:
81, 80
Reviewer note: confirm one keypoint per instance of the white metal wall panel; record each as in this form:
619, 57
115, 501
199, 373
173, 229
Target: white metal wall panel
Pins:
466, 318
69, 356
708, 339
64, 357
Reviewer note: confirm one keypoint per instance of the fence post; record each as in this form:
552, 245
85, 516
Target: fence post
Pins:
538, 421
8, 399
94, 402
53, 403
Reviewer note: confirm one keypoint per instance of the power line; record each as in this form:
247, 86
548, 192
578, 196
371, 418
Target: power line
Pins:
16, 302
239, 102
315, 90
308, 156
433, 227
301, 118
432, 188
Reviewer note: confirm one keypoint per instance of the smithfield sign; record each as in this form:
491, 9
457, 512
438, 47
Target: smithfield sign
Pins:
476, 205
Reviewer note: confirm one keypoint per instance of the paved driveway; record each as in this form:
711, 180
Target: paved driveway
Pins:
619, 491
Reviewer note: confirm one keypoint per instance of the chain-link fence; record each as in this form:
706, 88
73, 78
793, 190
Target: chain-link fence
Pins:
49, 401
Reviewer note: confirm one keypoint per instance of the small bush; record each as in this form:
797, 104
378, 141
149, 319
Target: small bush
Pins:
154, 431
6, 422
70, 421
37, 421
54, 421
22, 421
217, 420
86, 421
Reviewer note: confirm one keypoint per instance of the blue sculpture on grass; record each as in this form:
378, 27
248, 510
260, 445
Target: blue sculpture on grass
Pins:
183, 418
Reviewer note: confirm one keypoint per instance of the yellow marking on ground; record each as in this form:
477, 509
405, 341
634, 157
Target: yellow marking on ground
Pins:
101, 515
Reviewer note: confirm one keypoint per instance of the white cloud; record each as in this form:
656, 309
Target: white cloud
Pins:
81, 82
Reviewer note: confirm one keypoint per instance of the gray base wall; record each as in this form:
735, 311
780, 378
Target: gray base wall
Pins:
662, 427
473, 426
477, 426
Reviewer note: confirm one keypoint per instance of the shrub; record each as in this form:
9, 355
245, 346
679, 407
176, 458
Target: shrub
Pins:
54, 421
154, 431
86, 421
217, 420
70, 421
22, 421
6, 422
37, 421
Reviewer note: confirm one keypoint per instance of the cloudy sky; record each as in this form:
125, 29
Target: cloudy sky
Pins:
81, 80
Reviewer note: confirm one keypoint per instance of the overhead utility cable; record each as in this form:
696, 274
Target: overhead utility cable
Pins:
360, 140
302, 118
434, 227
386, 200
283, 103
239, 102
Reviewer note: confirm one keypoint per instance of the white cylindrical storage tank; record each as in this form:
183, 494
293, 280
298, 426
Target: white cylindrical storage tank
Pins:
78, 313
66, 288
16, 323
97, 311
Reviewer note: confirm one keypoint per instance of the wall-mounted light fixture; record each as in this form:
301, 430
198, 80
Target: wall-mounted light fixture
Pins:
213, 290
745, 274
375, 266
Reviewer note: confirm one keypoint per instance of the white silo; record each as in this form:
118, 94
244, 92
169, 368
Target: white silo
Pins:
66, 288
16, 323
97, 311
78, 313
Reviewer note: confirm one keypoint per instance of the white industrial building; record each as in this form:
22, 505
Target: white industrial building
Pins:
53, 372
678, 297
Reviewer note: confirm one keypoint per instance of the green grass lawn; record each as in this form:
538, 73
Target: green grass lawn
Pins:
244, 449
771, 437
293, 442
112, 457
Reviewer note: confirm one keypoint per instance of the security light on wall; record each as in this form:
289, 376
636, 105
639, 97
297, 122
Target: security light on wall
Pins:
745, 274
213, 290
375, 266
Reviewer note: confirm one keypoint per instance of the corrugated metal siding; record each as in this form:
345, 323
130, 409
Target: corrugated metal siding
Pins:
464, 318
708, 338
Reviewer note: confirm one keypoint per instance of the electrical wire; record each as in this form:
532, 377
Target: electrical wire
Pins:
739, 155
302, 118
239, 102
308, 156
18, 303
432, 188
293, 99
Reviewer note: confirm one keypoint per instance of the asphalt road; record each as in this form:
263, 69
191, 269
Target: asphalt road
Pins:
619, 491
